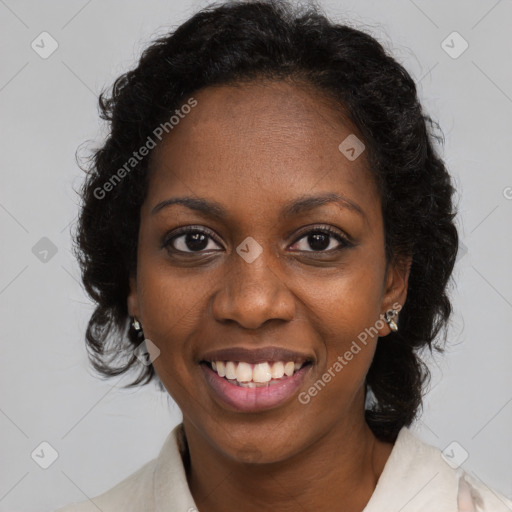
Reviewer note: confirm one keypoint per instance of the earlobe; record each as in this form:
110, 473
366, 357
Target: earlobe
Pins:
395, 293
391, 318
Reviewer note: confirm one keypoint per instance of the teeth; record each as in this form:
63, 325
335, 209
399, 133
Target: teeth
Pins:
261, 372
277, 370
230, 370
244, 372
221, 368
252, 374
289, 368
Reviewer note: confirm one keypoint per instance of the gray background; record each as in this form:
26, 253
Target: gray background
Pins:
49, 107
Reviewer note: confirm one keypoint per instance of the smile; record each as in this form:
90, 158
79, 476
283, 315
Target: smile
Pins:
249, 387
255, 375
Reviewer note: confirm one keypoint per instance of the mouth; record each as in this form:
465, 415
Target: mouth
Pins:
248, 375
254, 380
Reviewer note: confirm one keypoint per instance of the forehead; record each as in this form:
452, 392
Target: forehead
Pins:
263, 142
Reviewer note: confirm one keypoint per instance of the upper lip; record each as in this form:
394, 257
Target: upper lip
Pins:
256, 355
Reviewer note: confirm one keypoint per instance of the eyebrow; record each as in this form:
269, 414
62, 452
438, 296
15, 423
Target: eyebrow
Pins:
302, 204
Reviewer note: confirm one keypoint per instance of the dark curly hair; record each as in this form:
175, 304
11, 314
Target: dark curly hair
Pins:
236, 42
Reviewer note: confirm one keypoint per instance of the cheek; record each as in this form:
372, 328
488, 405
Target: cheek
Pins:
348, 318
170, 299
171, 312
349, 333
347, 303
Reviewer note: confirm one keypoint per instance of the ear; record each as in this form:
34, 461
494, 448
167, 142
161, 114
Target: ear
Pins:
395, 288
133, 300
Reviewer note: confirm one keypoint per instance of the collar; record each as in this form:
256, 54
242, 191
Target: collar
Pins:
415, 478
171, 491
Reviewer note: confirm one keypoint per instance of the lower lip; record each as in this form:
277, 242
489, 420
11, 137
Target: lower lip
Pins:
254, 399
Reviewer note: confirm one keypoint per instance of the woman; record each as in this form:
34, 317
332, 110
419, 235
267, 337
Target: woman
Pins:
269, 220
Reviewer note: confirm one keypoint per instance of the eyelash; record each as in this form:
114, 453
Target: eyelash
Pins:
343, 241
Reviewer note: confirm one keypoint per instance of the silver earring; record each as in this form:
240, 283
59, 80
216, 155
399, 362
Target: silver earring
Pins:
390, 319
136, 325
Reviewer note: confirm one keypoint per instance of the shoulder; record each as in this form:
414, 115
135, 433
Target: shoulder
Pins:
161, 484
474, 496
418, 477
143, 489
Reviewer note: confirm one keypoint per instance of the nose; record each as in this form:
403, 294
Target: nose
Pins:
252, 294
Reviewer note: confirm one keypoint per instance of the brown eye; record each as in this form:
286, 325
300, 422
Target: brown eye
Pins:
321, 240
191, 240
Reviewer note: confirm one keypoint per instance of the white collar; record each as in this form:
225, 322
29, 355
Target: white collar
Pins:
415, 478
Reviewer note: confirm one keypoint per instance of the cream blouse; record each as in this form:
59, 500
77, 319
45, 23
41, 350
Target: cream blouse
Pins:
415, 478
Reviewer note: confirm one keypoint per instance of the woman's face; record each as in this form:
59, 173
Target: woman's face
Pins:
258, 279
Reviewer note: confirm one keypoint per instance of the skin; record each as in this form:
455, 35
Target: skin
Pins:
253, 148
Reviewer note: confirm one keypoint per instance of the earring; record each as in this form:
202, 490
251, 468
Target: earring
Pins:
389, 316
136, 325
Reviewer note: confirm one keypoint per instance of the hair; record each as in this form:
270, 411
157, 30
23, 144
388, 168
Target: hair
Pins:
234, 43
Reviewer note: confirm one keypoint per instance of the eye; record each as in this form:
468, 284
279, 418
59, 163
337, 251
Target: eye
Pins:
324, 239
191, 239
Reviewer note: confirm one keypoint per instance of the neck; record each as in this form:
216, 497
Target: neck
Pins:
338, 471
